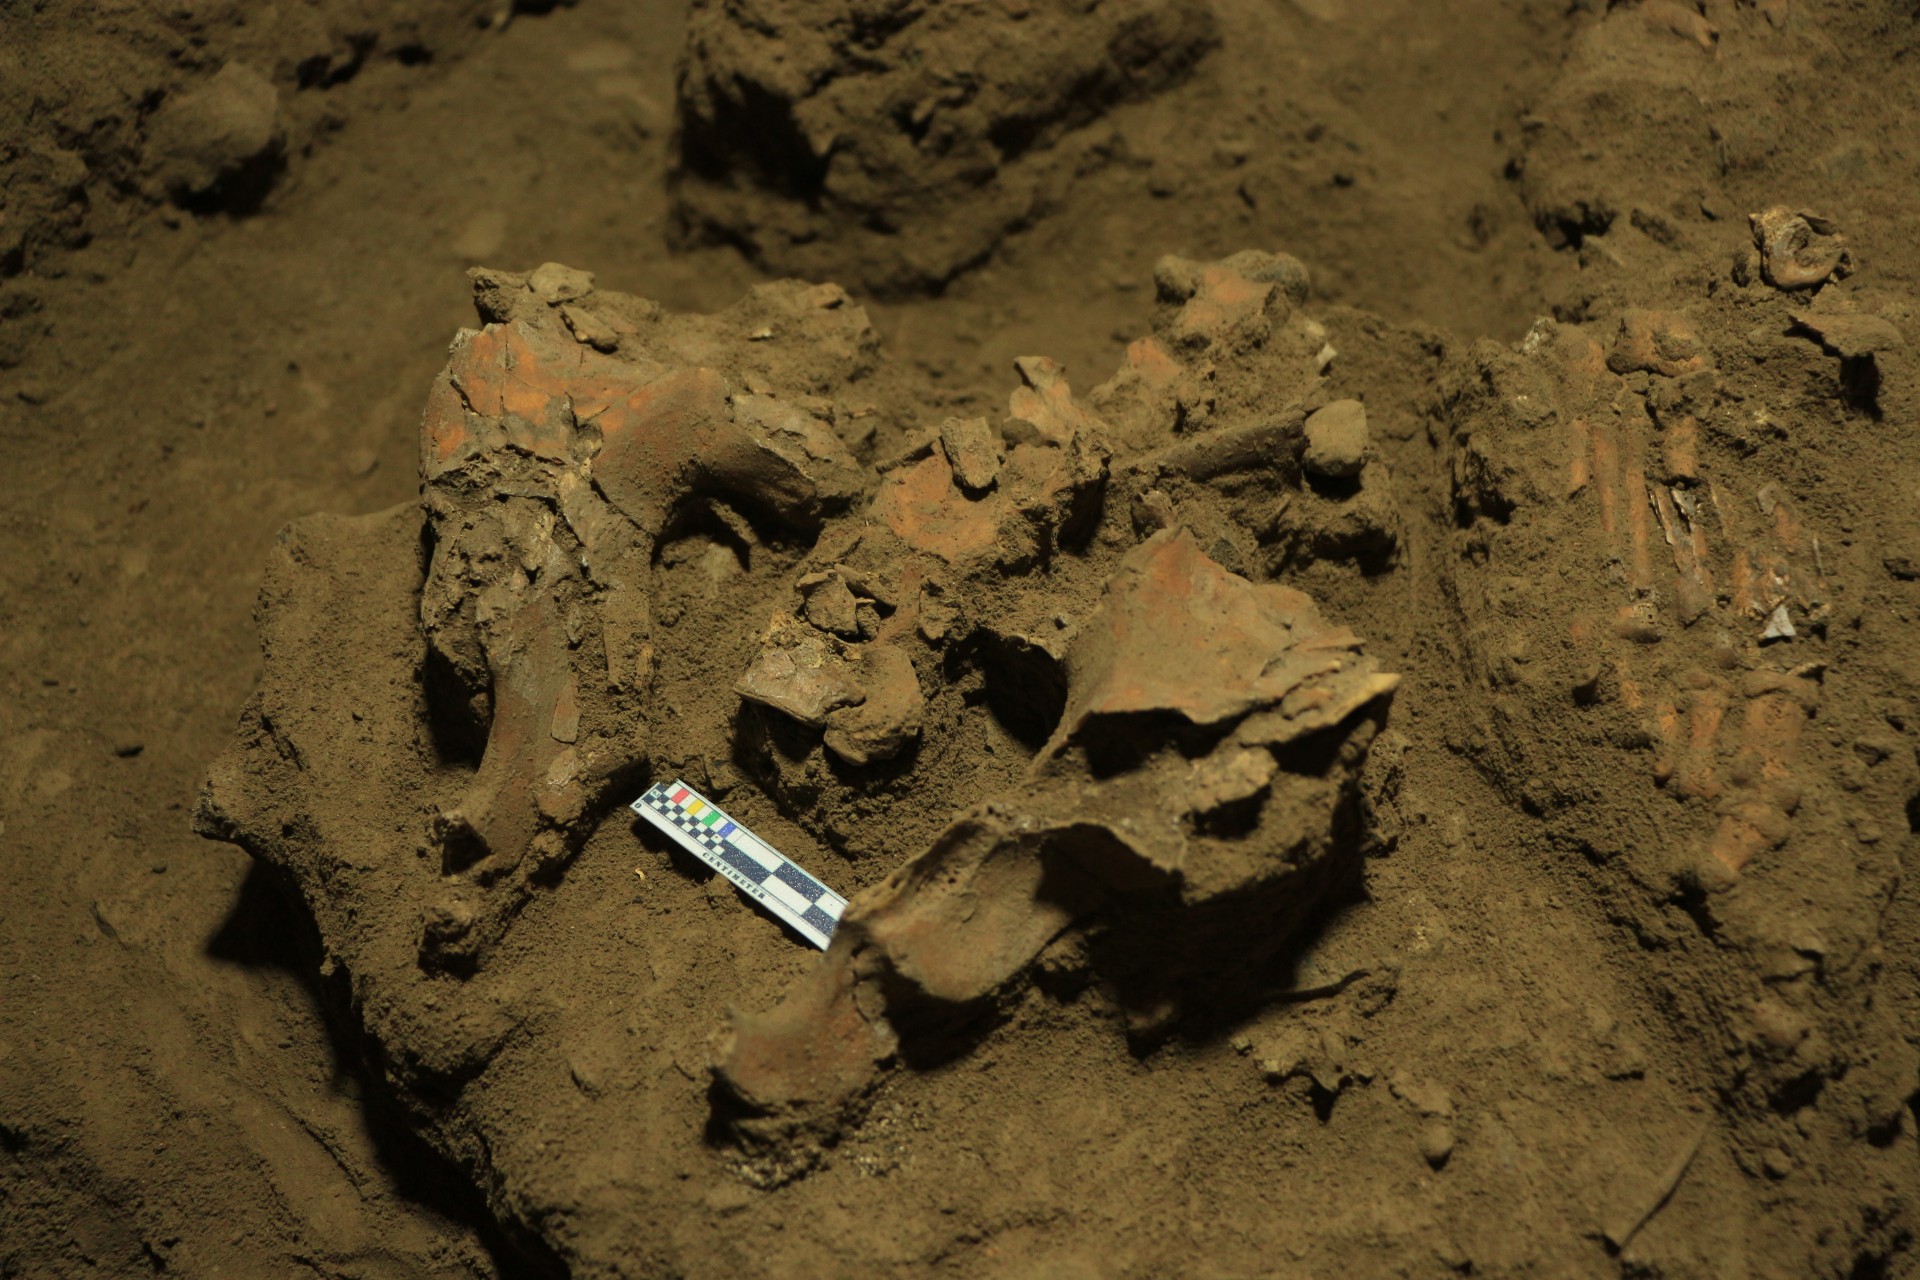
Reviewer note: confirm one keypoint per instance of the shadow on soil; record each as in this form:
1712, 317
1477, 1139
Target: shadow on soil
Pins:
267, 929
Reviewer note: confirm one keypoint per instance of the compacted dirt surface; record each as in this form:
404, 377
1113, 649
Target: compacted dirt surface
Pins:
1330, 588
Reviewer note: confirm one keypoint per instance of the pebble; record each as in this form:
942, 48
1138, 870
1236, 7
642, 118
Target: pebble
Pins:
972, 452
214, 130
1799, 250
1337, 440
1152, 511
589, 328
1850, 336
554, 283
830, 604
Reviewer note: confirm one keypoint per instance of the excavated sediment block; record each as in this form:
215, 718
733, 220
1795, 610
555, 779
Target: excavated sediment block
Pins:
904, 140
1051, 653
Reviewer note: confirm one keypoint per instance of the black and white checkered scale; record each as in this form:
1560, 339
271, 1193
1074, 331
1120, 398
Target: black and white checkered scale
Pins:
755, 867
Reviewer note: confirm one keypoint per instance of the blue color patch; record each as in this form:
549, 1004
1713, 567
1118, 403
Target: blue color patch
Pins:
725, 831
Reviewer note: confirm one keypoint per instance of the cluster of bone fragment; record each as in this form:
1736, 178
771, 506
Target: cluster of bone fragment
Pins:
1202, 756
1195, 727
551, 470
1692, 578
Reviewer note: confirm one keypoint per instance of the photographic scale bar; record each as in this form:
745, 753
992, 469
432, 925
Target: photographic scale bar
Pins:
759, 870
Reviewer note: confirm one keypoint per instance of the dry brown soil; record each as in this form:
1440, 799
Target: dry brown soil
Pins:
1575, 1047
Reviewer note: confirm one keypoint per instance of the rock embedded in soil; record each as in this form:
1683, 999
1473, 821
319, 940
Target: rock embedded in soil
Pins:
1336, 440
214, 132
1799, 250
554, 283
1436, 1142
1848, 335
971, 451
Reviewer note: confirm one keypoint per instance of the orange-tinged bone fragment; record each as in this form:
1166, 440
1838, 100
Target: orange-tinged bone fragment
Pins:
1706, 709
1769, 748
1641, 563
1742, 583
1666, 724
1680, 449
1579, 445
1606, 473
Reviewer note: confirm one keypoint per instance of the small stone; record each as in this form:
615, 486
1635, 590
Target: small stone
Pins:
1228, 777
1337, 440
887, 718
564, 724
1850, 336
585, 1077
1777, 1027
590, 328
938, 615
830, 604
972, 453
1429, 1100
360, 463
446, 922
1799, 250
213, 132
801, 672
1776, 1162
554, 283
1152, 512
1287, 1055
